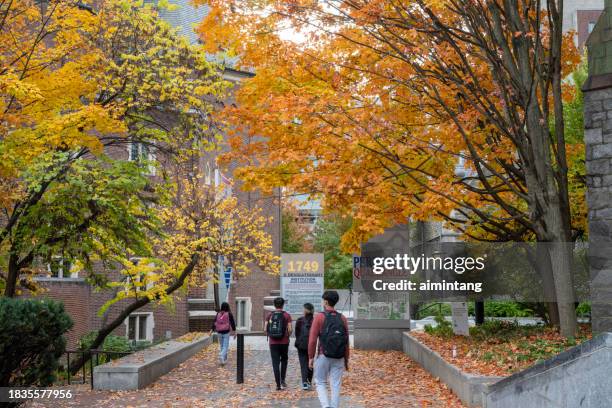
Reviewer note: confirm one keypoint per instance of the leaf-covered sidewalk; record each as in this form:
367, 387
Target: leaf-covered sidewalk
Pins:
375, 379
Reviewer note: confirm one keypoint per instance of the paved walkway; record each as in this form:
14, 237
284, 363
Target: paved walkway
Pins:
376, 379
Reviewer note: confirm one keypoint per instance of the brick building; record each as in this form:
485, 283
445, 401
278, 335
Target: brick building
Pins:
580, 16
191, 312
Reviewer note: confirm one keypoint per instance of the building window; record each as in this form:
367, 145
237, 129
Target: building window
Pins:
139, 152
139, 327
591, 26
59, 267
138, 278
243, 313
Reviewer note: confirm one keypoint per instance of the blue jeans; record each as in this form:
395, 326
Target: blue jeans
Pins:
223, 345
328, 371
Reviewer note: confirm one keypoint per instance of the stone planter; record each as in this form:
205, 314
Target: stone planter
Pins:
468, 387
144, 367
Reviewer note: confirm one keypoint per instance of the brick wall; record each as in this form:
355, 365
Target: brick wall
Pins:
258, 283
82, 304
583, 19
75, 294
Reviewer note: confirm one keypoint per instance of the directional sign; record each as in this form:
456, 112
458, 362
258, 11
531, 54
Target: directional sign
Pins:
227, 276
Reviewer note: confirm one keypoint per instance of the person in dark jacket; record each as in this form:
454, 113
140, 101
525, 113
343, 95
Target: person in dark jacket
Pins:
223, 325
302, 331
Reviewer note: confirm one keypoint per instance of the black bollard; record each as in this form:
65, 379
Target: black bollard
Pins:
240, 359
479, 312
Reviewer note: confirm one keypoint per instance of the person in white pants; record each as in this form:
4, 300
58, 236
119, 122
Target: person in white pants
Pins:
329, 342
328, 371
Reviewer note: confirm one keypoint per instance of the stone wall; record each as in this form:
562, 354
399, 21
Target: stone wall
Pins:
598, 140
578, 377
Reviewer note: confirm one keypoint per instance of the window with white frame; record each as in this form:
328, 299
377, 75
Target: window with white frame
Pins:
60, 267
137, 277
139, 327
243, 313
138, 151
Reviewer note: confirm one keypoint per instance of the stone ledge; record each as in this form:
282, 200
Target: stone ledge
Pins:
578, 377
379, 334
144, 367
468, 387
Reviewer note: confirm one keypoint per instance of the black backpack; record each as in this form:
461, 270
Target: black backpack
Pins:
333, 337
276, 325
301, 343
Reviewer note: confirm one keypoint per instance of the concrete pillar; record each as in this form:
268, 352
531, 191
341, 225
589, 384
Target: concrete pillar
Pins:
598, 140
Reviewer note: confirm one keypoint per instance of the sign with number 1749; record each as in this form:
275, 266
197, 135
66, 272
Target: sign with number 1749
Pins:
301, 280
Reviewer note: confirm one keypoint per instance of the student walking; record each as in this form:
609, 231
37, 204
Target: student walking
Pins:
278, 329
330, 359
224, 324
302, 332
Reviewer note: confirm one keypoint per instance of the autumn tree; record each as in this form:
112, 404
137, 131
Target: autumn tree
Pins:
200, 224
448, 110
294, 236
77, 87
327, 237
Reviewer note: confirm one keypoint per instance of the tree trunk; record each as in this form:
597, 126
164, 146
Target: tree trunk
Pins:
12, 276
544, 267
561, 259
132, 307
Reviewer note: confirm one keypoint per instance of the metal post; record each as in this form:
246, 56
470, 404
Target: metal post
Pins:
68, 365
240, 359
91, 365
479, 312
84, 364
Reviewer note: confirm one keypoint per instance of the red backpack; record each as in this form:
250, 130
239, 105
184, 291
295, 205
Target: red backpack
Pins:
223, 322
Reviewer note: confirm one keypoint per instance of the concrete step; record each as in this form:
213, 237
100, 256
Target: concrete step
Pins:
275, 293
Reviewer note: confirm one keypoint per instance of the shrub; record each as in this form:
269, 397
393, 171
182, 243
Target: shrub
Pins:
584, 310
31, 340
111, 343
443, 328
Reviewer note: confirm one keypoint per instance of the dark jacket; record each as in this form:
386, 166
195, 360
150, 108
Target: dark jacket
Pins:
299, 326
232, 323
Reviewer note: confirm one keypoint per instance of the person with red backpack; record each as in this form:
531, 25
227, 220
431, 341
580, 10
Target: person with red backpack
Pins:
278, 329
302, 333
224, 324
330, 330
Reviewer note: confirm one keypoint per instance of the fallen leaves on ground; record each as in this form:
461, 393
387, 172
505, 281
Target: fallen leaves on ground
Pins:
375, 379
501, 355
392, 379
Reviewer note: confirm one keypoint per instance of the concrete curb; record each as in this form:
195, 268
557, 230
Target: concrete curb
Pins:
468, 387
144, 367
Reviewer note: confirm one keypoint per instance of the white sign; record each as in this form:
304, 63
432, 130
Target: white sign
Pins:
301, 281
461, 325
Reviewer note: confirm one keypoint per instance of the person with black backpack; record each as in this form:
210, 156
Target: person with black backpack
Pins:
302, 332
330, 330
278, 329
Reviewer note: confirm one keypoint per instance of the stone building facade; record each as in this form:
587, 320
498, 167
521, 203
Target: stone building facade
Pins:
598, 141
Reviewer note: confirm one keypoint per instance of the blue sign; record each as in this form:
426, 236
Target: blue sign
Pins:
227, 276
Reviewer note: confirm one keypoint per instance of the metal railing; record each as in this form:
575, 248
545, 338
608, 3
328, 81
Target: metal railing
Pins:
89, 355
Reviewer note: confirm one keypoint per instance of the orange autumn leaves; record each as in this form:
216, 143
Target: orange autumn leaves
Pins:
369, 122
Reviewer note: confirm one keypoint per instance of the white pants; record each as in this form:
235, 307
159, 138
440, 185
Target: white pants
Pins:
328, 370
